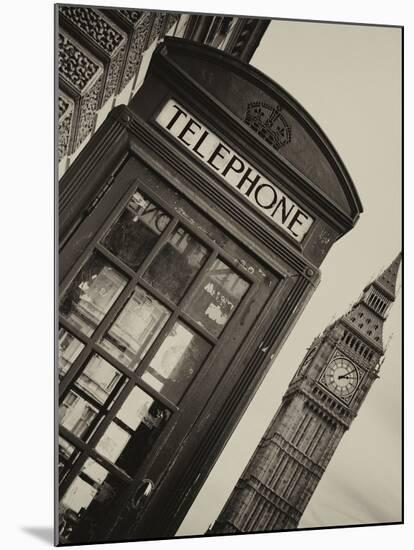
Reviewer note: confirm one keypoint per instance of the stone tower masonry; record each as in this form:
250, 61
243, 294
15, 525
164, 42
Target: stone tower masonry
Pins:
322, 400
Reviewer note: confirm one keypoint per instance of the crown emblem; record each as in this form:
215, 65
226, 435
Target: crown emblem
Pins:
269, 123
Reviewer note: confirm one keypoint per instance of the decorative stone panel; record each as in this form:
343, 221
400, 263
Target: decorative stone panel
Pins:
80, 78
137, 25
102, 37
131, 15
65, 116
75, 65
157, 27
142, 28
87, 113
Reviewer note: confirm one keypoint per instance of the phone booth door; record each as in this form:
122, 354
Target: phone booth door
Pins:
155, 302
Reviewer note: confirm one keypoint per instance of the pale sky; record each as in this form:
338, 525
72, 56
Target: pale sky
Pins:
348, 78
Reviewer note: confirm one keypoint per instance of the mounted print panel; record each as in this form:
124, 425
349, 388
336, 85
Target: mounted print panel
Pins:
215, 276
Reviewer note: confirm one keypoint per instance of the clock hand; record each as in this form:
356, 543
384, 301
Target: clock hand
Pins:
346, 375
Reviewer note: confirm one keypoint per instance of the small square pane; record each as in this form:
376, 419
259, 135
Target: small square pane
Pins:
128, 438
65, 448
76, 414
113, 442
135, 408
69, 349
176, 362
79, 495
136, 231
136, 328
67, 455
91, 294
94, 470
221, 291
98, 379
176, 264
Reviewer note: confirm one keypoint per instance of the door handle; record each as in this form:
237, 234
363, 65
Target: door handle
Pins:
142, 494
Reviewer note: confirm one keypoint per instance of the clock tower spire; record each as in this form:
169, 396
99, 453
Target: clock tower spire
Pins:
319, 405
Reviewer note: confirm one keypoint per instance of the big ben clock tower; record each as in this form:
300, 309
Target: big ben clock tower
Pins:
319, 405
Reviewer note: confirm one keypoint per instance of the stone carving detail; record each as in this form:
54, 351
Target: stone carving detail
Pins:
102, 37
66, 107
113, 75
88, 108
132, 15
63, 105
74, 64
157, 27
80, 75
137, 46
92, 23
150, 27
269, 123
88, 80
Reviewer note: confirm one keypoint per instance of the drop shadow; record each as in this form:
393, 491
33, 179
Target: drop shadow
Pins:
44, 534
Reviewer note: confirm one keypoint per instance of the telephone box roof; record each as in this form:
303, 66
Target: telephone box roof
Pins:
276, 118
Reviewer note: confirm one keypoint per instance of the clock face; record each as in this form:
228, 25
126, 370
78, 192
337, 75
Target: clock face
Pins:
341, 377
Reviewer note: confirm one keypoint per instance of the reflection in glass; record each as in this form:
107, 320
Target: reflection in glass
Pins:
113, 442
135, 329
136, 231
65, 448
176, 362
76, 414
176, 264
67, 454
84, 505
221, 291
98, 379
91, 294
133, 431
69, 349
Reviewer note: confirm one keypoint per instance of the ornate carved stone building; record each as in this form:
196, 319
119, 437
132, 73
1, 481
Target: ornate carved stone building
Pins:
103, 55
318, 407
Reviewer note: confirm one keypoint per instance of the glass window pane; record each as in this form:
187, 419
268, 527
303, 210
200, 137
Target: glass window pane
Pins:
221, 291
67, 455
126, 443
176, 264
135, 409
76, 414
98, 379
94, 470
69, 349
86, 502
135, 329
176, 362
79, 495
65, 448
113, 442
91, 294
136, 231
